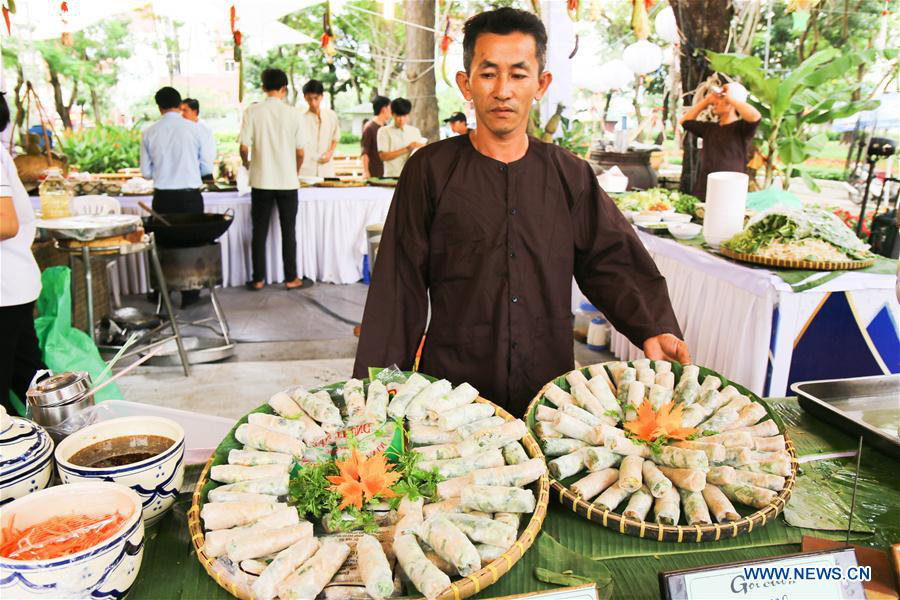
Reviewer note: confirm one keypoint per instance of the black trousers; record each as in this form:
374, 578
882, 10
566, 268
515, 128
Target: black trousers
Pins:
20, 356
177, 201
261, 204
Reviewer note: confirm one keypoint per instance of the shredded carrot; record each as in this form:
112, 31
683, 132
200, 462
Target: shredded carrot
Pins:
58, 536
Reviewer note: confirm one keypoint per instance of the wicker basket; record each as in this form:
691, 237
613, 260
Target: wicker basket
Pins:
461, 588
673, 533
808, 265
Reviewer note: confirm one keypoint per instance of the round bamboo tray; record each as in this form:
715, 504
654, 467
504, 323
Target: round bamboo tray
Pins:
341, 184
675, 533
808, 265
239, 586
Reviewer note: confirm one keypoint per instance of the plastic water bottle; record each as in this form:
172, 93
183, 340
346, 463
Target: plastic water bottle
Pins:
622, 135
55, 195
598, 334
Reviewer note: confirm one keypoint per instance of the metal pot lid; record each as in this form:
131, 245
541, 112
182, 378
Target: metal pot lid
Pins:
59, 389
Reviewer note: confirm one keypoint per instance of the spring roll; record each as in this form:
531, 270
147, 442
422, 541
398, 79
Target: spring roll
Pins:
680, 458
567, 465
586, 417
602, 390
320, 407
710, 383
405, 393
511, 519
460, 396
615, 368
750, 495
719, 504
273, 486
245, 497
687, 391
292, 427
737, 457
497, 437
427, 398
738, 402
260, 543
423, 574
766, 428
639, 504
451, 544
514, 453
714, 452
253, 566
763, 480
631, 473
560, 446
691, 480
695, 510
282, 403
662, 366
260, 438
585, 400
252, 458
469, 429
721, 475
515, 475
569, 426
284, 563
575, 377
463, 415
354, 401
492, 499
236, 473
557, 396
410, 516
749, 415
656, 482
646, 376
633, 399
626, 376
599, 371
428, 435
597, 458
641, 363
544, 412
712, 400
447, 505
769, 444
691, 371
720, 420
667, 380
667, 508
780, 466
455, 467
311, 578
626, 447
215, 543
588, 487
658, 396
545, 430
453, 487
377, 402
225, 515
728, 392
694, 414
731, 439
484, 530
374, 568
611, 497
438, 452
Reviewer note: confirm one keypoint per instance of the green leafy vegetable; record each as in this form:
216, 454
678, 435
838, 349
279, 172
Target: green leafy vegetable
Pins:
414, 481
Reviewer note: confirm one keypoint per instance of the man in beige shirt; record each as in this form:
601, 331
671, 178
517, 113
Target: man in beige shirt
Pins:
397, 141
321, 132
272, 130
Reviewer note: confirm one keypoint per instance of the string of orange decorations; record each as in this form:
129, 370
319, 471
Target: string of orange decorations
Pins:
8, 9
666, 423
238, 53
66, 38
328, 35
573, 7
640, 18
363, 479
445, 46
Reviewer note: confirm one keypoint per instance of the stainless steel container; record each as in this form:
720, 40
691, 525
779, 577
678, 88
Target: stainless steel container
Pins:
54, 399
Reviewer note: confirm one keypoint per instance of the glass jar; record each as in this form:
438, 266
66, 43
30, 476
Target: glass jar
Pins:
55, 195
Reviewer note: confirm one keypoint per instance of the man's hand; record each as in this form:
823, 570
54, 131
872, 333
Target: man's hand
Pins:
325, 158
667, 347
413, 145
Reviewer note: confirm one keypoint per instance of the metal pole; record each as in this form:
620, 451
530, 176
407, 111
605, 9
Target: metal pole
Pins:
862, 209
853, 499
219, 314
164, 292
89, 291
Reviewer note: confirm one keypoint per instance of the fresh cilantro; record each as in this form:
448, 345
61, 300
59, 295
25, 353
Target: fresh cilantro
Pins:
309, 490
414, 481
611, 413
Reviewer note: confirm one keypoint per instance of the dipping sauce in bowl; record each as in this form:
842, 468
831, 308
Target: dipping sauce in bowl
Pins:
120, 451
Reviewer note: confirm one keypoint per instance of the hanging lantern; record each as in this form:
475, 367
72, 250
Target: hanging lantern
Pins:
666, 28
612, 75
389, 10
642, 57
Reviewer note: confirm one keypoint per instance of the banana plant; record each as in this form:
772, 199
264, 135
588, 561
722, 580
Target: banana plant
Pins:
792, 103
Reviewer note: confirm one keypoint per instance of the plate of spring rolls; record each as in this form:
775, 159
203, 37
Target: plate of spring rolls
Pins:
663, 451
485, 509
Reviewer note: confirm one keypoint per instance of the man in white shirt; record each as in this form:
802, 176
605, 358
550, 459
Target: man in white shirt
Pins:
321, 133
397, 141
272, 129
190, 110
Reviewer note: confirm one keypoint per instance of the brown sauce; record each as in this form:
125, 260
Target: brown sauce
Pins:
119, 451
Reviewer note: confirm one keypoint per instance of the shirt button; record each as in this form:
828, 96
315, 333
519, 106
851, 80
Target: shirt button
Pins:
515, 299
514, 345
503, 168
513, 211
512, 254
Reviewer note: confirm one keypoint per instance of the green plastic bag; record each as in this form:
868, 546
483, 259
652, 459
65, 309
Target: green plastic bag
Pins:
64, 347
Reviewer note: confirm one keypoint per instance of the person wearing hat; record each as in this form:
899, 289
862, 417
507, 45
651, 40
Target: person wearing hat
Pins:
725, 143
458, 123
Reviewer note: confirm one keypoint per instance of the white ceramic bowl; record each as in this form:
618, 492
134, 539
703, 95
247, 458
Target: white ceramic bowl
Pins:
26, 458
676, 218
647, 219
685, 231
104, 571
156, 479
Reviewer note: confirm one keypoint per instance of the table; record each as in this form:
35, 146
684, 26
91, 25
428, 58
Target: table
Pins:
749, 323
331, 237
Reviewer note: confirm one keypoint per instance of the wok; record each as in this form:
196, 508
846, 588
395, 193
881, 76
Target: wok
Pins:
189, 229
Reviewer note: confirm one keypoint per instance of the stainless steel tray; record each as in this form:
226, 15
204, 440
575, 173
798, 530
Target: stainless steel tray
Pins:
867, 406
86, 228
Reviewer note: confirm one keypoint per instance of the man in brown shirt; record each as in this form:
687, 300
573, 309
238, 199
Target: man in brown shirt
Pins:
373, 166
725, 143
492, 226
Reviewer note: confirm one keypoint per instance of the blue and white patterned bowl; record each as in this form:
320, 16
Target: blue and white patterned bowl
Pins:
26, 457
102, 572
156, 479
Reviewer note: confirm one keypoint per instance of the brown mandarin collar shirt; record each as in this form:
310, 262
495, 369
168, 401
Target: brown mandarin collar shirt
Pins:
369, 145
495, 246
725, 148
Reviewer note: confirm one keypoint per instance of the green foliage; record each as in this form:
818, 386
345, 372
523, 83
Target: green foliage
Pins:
349, 138
575, 136
103, 149
414, 482
310, 492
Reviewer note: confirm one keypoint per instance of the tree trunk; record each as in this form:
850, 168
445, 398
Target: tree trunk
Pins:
420, 74
95, 106
61, 109
704, 25
20, 97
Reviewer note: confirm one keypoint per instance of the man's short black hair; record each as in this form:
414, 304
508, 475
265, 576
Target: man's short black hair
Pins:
167, 97
314, 86
4, 112
379, 103
273, 80
401, 106
504, 21
192, 104
456, 117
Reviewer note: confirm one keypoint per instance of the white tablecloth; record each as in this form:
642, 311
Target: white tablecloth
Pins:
727, 311
331, 236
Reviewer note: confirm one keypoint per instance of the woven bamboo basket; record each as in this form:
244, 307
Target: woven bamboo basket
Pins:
461, 588
342, 184
674, 533
809, 265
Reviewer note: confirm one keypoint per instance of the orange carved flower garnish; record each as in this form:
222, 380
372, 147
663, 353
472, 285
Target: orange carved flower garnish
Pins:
651, 425
362, 478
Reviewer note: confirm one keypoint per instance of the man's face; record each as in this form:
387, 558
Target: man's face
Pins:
503, 81
385, 114
459, 127
400, 120
189, 114
313, 101
722, 107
